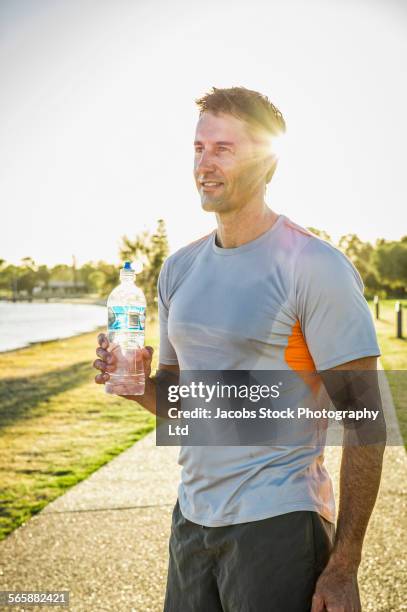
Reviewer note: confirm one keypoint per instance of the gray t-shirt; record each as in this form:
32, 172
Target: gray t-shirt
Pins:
284, 301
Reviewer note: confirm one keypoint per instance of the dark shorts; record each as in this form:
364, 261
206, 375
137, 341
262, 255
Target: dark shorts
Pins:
263, 566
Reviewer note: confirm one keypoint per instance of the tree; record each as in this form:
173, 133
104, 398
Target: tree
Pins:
61, 272
151, 251
110, 277
9, 275
320, 233
43, 275
391, 263
27, 279
361, 255
96, 281
84, 275
359, 252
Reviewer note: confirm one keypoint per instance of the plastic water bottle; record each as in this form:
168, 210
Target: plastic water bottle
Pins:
126, 326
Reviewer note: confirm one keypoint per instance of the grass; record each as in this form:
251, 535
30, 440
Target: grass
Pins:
56, 425
394, 357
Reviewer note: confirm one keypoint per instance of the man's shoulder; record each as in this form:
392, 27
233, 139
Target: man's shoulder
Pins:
313, 257
292, 238
310, 246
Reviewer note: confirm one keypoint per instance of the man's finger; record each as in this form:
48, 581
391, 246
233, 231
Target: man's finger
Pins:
318, 604
100, 379
145, 354
105, 355
98, 364
102, 353
148, 352
103, 341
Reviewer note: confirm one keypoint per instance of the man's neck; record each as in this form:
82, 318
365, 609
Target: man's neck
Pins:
238, 227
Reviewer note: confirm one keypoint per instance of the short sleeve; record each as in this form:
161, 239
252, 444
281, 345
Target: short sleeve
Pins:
334, 316
167, 354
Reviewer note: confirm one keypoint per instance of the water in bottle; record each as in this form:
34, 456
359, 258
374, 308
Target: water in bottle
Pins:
126, 325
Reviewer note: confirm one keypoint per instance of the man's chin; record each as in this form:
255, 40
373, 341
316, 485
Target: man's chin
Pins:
212, 205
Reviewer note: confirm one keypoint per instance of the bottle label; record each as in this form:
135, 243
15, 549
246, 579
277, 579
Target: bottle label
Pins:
126, 318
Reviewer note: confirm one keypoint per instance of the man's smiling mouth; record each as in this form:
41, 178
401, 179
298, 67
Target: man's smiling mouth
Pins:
210, 184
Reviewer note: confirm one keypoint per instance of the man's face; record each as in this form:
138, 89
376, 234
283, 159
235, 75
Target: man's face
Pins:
229, 166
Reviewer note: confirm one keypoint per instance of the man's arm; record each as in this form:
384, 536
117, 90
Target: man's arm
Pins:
360, 473
107, 363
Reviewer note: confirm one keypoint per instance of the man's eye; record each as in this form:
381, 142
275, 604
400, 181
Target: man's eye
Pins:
198, 149
223, 149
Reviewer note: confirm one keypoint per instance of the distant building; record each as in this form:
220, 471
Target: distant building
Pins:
60, 288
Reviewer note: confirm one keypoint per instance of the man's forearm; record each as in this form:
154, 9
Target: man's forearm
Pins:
337, 586
155, 396
352, 385
360, 474
149, 398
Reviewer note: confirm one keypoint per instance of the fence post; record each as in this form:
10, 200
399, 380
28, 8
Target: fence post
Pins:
399, 320
376, 306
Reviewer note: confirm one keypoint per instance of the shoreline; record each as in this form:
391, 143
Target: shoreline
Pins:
98, 328
56, 300
54, 332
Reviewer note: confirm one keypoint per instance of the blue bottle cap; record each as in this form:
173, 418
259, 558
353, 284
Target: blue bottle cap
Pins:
127, 265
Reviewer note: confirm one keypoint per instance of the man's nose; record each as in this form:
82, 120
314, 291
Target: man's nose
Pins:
204, 162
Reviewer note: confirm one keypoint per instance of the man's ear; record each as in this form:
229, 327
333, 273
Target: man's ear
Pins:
272, 165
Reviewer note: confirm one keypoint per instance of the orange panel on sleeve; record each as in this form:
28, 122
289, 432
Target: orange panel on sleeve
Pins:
297, 355
299, 359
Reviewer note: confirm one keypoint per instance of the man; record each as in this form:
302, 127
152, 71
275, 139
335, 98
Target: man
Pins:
253, 527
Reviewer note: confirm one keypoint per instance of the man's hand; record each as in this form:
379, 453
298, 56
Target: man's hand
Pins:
336, 590
107, 362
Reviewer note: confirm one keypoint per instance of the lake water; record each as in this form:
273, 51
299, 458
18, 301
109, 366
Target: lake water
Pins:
22, 323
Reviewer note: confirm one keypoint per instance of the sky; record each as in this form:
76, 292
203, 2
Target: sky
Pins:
97, 116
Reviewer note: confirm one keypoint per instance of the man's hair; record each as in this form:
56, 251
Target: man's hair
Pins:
250, 106
261, 116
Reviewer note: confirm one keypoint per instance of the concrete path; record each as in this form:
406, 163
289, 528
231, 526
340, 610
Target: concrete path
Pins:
106, 539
